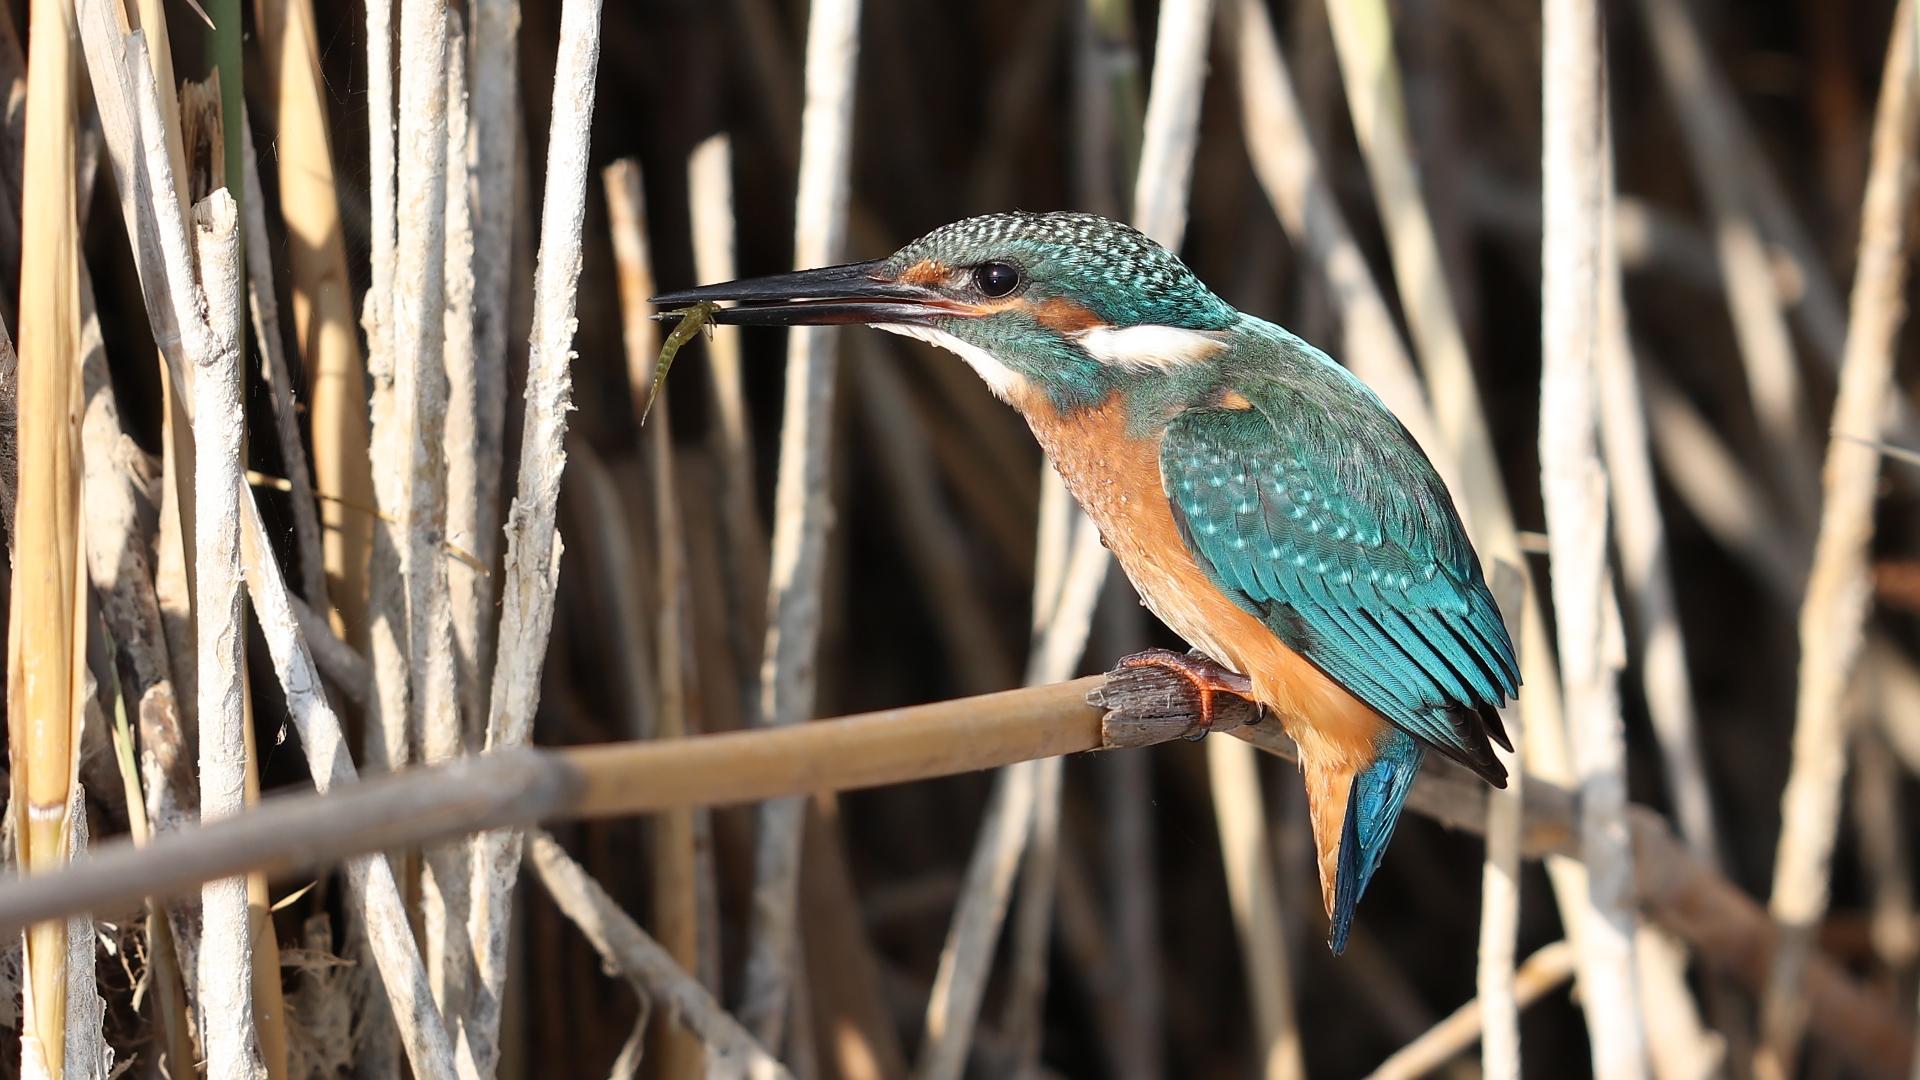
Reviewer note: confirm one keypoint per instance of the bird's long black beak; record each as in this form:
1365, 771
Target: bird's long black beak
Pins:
852, 293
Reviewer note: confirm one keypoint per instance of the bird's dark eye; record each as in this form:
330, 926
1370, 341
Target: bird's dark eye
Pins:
996, 278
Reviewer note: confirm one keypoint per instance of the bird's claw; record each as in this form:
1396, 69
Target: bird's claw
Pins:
1208, 676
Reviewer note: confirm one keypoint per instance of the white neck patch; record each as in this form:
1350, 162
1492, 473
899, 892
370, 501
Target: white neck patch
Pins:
1006, 383
1149, 347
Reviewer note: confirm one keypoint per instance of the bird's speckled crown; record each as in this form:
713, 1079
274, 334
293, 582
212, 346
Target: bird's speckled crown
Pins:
1114, 270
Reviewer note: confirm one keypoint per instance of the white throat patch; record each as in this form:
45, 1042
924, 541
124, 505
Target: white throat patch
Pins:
1149, 347
1006, 383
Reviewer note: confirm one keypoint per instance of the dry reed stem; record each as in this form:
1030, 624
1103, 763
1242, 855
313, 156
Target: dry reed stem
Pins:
1838, 590
960, 980
475, 394
85, 1052
1640, 535
622, 944
337, 660
1241, 817
1576, 261
444, 695
614, 555
1753, 299
803, 502
45, 651
323, 321
532, 565
1495, 972
633, 261
264, 309
710, 192
226, 963
1679, 1044
373, 893
680, 874
1545, 971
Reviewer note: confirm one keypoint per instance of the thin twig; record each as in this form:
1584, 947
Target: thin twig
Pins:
1838, 591
803, 501
1578, 182
622, 944
265, 312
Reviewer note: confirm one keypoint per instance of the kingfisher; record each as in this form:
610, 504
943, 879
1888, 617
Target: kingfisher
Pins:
1262, 500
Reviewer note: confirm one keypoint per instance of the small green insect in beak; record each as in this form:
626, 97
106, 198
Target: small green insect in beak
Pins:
692, 321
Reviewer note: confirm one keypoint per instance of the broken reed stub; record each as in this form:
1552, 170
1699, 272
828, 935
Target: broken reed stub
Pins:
1150, 704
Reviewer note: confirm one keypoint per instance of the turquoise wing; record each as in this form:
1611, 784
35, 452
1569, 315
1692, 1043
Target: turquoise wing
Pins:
1326, 522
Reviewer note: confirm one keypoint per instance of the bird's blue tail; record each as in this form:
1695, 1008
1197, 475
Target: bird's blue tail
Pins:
1373, 805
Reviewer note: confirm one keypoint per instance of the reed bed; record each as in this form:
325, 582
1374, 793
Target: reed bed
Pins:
320, 459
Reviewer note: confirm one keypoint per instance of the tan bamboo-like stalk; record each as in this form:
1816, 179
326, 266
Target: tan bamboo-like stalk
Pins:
1832, 619
226, 963
45, 655
621, 943
1717, 920
323, 320
532, 565
47, 638
803, 502
1543, 972
1575, 264
710, 194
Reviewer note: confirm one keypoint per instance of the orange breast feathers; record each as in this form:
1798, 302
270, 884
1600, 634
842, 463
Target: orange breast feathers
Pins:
1117, 479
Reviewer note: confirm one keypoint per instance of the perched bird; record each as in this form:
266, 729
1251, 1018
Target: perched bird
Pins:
1266, 505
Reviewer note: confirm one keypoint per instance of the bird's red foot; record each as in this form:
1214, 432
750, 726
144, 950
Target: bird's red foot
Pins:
1208, 676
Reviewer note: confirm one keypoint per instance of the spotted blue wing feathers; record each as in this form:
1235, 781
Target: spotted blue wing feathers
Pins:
1330, 526
1373, 806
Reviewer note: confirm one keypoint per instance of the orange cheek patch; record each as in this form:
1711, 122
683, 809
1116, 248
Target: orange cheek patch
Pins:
1233, 400
925, 272
1065, 316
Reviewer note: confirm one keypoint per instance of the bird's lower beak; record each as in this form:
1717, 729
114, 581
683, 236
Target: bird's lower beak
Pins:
852, 293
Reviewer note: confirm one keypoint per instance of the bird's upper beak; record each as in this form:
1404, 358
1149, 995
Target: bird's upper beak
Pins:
852, 293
